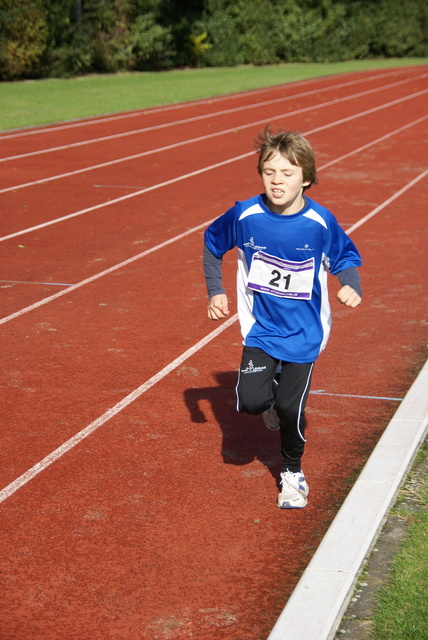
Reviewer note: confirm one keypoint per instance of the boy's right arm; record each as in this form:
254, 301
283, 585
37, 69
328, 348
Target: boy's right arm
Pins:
218, 306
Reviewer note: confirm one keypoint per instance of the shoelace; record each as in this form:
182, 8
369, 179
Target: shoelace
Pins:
289, 475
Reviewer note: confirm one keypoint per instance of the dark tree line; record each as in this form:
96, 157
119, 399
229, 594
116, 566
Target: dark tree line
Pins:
56, 38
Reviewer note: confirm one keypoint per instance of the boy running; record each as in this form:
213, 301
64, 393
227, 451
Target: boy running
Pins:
286, 244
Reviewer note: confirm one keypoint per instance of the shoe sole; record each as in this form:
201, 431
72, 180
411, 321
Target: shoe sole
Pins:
290, 505
298, 502
272, 428
269, 426
286, 505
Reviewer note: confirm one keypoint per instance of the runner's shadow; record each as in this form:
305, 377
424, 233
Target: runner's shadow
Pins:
245, 437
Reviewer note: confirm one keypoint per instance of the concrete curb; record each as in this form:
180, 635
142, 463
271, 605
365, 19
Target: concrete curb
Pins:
316, 606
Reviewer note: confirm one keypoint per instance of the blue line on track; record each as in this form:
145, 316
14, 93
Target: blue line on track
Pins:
321, 392
54, 284
115, 186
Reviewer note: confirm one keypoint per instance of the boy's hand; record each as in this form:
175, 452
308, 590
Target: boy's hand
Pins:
218, 307
348, 296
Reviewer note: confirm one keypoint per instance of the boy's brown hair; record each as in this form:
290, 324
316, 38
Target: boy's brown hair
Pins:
292, 146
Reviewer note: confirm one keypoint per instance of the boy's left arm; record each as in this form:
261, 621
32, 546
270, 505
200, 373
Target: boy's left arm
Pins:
350, 293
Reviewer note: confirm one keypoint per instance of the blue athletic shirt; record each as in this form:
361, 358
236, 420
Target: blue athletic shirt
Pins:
283, 262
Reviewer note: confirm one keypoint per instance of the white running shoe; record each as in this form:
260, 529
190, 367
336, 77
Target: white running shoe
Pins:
271, 419
294, 492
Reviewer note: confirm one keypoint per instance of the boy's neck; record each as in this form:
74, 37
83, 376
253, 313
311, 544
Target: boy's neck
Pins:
286, 210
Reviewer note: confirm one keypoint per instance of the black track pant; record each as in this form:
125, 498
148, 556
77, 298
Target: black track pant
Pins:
258, 391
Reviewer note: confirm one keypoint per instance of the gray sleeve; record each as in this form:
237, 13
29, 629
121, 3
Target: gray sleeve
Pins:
212, 273
350, 277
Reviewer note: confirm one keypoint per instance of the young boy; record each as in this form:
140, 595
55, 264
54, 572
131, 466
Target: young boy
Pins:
286, 243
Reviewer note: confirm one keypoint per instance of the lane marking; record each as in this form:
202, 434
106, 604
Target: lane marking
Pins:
125, 402
128, 196
387, 202
209, 168
44, 301
183, 105
321, 392
54, 284
368, 145
110, 413
116, 186
95, 277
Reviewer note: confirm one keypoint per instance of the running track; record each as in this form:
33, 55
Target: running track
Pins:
136, 503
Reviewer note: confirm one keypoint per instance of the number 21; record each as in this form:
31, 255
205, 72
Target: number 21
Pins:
277, 277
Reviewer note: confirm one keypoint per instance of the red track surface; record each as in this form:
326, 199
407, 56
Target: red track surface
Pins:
161, 523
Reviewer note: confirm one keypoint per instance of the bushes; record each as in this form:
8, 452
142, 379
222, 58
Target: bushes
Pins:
71, 37
314, 34
400, 29
150, 45
23, 38
312, 30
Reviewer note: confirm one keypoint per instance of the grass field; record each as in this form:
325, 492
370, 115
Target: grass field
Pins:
401, 611
38, 102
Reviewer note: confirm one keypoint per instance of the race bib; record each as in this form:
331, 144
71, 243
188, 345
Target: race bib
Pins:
281, 278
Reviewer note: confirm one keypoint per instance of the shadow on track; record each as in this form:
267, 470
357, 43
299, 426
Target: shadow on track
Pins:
245, 437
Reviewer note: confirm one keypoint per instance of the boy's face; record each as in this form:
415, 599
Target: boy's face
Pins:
283, 184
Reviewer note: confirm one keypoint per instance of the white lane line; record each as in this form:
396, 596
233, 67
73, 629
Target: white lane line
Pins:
368, 145
110, 413
159, 185
184, 105
388, 201
44, 301
95, 277
206, 116
185, 176
110, 163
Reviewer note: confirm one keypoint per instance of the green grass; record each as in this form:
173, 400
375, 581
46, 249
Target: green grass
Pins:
37, 102
402, 612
